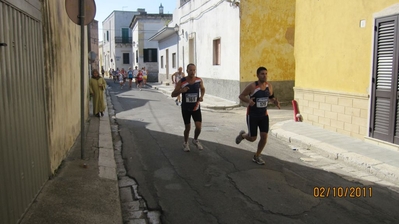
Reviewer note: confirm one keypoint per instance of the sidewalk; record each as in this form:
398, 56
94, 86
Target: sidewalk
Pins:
380, 161
82, 191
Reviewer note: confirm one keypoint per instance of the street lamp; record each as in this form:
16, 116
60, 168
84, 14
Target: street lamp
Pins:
176, 28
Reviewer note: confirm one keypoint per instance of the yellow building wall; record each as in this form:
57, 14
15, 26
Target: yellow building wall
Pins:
62, 71
332, 51
333, 56
267, 39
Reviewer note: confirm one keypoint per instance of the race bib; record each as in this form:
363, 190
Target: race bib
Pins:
191, 97
261, 102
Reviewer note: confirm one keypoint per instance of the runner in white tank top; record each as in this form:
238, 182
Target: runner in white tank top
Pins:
176, 77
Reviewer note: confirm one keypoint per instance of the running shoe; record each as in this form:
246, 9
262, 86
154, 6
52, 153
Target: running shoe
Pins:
186, 147
198, 144
177, 102
258, 160
239, 137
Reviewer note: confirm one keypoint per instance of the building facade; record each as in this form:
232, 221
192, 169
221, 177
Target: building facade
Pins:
207, 34
145, 52
267, 39
117, 40
168, 45
347, 67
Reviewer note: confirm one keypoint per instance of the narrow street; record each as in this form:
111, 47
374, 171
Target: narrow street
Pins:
222, 185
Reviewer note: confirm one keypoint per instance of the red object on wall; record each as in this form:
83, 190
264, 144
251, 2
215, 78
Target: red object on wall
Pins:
295, 107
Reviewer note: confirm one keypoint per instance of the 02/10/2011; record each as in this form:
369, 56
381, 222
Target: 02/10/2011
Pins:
342, 192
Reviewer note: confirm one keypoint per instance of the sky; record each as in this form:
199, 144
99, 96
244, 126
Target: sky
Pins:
105, 7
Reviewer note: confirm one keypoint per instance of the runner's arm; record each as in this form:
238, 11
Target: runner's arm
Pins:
202, 90
272, 97
176, 91
243, 96
173, 79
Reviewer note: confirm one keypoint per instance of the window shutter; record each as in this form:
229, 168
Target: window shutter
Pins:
384, 73
396, 137
154, 55
145, 51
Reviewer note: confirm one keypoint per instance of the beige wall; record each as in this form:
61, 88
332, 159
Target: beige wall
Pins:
62, 71
344, 113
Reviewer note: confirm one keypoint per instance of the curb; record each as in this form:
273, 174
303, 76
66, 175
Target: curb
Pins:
372, 166
203, 105
133, 206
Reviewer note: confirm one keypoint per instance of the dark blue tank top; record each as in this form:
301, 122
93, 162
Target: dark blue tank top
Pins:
261, 99
190, 99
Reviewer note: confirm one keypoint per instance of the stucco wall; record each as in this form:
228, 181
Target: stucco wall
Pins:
267, 39
169, 44
62, 71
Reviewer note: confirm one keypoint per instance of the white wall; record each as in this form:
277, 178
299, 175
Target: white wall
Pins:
215, 19
135, 39
169, 44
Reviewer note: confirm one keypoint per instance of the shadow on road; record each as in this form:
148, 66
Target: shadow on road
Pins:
221, 184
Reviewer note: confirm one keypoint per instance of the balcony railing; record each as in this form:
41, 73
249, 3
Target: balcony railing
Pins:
123, 40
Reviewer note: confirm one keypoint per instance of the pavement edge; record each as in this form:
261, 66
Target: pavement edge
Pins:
133, 206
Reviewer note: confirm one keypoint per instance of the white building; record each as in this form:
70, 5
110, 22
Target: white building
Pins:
117, 40
208, 35
145, 52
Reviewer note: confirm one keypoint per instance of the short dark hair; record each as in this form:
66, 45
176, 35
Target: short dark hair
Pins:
189, 65
260, 69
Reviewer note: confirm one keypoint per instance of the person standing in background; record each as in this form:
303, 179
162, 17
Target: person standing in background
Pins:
97, 86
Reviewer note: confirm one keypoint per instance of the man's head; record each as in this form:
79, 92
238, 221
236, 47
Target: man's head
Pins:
191, 68
180, 69
135, 67
261, 72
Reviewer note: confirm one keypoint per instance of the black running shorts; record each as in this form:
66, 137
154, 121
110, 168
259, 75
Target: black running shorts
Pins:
197, 116
255, 122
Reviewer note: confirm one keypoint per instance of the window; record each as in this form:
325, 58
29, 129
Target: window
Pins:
150, 55
107, 35
161, 61
126, 58
174, 60
216, 52
137, 56
125, 35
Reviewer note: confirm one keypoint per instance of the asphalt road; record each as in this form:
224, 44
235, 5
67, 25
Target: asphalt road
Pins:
221, 184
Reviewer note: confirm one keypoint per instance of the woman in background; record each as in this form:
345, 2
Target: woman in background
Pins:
97, 86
